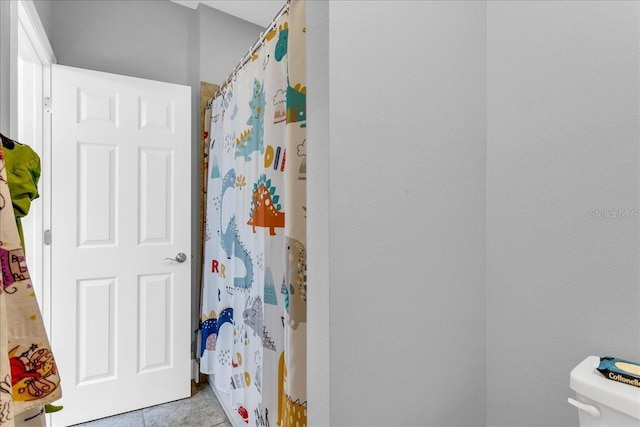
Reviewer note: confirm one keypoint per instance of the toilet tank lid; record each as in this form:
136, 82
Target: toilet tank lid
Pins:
587, 381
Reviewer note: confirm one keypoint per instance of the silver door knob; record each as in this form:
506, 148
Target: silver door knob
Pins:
179, 258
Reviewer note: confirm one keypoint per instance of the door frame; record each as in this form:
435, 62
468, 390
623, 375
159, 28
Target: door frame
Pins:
23, 14
29, 26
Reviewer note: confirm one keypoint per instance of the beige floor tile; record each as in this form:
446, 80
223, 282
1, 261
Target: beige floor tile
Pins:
202, 409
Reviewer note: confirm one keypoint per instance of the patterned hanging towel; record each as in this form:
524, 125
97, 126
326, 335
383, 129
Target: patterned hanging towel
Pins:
28, 373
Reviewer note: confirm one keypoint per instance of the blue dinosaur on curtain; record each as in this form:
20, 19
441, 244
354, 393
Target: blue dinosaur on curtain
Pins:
253, 321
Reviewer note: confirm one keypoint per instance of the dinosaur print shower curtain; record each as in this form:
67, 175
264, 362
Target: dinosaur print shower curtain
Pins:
253, 324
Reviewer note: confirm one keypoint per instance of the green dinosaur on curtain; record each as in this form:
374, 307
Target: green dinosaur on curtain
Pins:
296, 103
282, 44
296, 95
253, 139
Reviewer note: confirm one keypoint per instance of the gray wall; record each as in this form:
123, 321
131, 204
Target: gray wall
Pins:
318, 226
156, 40
563, 123
561, 136
224, 39
405, 169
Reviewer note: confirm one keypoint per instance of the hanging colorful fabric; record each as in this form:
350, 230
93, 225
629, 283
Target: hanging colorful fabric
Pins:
32, 377
254, 297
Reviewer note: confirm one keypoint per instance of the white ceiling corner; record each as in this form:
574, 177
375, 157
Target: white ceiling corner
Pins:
259, 12
191, 4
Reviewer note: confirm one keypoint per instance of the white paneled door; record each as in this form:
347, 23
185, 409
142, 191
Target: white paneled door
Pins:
120, 227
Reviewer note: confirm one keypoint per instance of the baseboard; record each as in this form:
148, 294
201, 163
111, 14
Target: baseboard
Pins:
225, 402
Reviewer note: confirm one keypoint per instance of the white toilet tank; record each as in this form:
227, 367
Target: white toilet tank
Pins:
602, 402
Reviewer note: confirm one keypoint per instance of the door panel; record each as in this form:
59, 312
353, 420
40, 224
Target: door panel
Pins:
120, 214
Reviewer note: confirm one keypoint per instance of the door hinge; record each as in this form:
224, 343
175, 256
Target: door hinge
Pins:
47, 104
46, 237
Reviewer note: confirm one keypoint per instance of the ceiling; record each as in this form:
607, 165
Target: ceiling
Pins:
259, 12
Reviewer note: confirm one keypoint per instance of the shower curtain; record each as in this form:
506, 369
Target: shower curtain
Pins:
253, 324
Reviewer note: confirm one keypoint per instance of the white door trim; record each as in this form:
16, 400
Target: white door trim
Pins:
28, 16
13, 68
23, 14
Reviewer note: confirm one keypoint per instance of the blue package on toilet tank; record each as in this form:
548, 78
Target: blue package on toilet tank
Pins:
620, 370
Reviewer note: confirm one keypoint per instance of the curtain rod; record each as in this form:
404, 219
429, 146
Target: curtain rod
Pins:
251, 51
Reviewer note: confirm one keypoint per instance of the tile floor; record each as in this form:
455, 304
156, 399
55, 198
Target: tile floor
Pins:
200, 410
